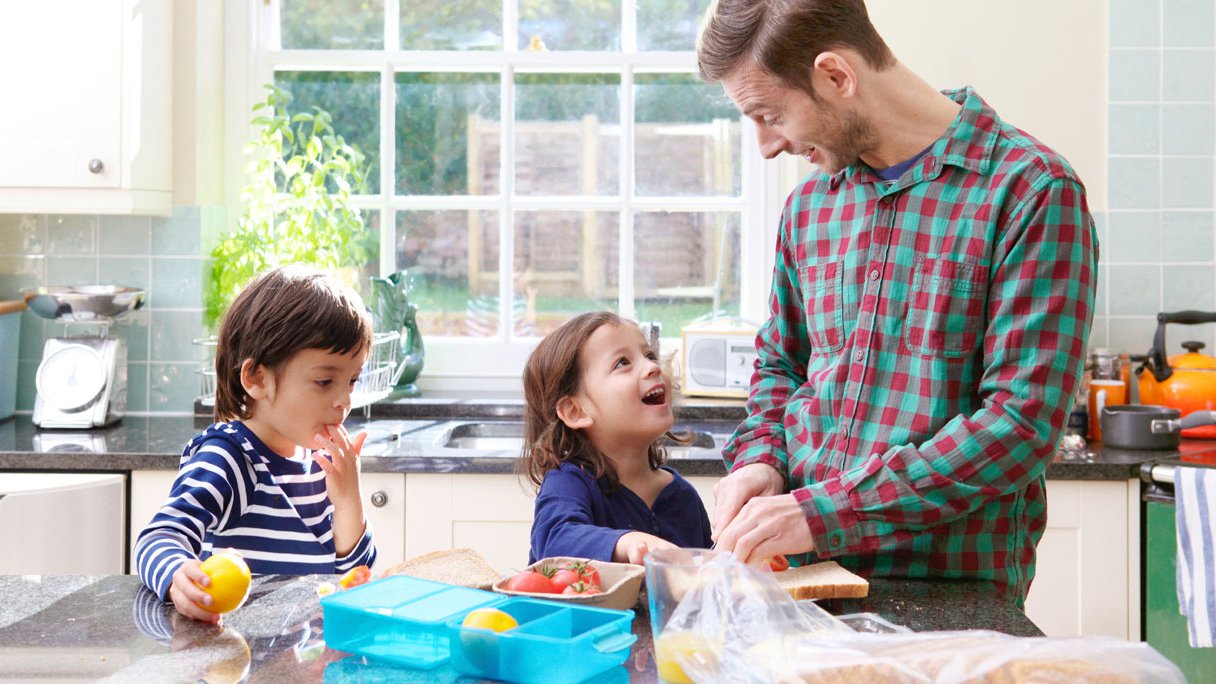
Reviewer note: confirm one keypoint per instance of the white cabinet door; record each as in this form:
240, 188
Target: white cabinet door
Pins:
149, 490
384, 509
86, 121
491, 514
1087, 577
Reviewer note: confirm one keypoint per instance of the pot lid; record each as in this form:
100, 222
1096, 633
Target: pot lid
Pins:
1193, 360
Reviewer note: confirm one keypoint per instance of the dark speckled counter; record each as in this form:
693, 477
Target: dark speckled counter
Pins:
409, 436
75, 627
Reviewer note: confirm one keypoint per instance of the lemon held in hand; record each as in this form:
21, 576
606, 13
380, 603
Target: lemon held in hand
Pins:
229, 581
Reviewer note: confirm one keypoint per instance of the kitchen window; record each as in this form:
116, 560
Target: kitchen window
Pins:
531, 159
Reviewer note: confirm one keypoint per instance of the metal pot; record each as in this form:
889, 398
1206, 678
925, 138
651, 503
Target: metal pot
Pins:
1138, 426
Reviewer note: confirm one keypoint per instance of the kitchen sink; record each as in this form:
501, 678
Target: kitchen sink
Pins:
509, 436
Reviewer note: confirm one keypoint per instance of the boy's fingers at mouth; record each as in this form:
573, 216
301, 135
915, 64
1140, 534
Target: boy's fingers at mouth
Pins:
357, 442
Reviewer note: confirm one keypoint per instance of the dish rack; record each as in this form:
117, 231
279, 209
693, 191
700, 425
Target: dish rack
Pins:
381, 371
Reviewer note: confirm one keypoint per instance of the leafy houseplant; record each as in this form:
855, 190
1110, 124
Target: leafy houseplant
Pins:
301, 176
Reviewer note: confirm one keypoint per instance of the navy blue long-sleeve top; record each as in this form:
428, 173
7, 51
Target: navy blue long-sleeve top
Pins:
575, 517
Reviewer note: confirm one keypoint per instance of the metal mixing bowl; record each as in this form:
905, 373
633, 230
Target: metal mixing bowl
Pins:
83, 303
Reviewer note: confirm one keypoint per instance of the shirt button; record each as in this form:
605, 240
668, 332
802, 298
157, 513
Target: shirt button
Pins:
836, 540
859, 355
874, 274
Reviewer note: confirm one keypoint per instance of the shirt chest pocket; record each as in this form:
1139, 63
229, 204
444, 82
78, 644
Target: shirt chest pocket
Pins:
945, 307
823, 297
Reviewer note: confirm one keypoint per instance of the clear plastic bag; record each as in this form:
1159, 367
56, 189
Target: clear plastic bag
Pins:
737, 624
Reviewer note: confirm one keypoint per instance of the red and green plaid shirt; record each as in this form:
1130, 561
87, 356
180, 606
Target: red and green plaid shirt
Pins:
925, 339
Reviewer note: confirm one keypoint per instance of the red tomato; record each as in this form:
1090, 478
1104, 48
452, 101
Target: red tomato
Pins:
564, 578
778, 563
582, 588
356, 577
586, 571
532, 582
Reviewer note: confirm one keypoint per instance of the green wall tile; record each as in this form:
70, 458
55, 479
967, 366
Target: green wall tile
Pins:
1135, 23
1188, 76
1188, 129
22, 233
1133, 237
1134, 183
71, 270
1186, 183
1189, 287
176, 283
71, 234
172, 333
1187, 236
1135, 75
172, 387
137, 387
1134, 290
126, 235
179, 234
1133, 335
1135, 129
1187, 23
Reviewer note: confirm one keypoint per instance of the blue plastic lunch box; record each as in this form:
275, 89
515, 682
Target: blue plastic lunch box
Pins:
416, 623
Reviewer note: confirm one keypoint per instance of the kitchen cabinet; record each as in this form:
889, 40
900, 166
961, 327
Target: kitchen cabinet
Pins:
87, 121
383, 506
489, 513
1088, 562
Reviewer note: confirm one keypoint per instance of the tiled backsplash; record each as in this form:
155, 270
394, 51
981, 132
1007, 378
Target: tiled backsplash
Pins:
1158, 252
160, 255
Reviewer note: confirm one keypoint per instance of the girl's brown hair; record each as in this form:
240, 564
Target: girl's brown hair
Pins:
551, 373
783, 37
279, 313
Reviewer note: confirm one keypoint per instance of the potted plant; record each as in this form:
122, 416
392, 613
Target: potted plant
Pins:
301, 176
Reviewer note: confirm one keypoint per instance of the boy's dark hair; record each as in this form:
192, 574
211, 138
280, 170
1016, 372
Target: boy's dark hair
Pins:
279, 313
551, 373
783, 37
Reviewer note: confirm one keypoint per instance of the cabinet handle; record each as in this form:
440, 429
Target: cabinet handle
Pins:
379, 498
96, 166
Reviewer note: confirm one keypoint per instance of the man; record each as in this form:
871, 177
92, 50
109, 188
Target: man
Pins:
930, 309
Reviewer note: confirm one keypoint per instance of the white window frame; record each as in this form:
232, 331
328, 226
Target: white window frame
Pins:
494, 364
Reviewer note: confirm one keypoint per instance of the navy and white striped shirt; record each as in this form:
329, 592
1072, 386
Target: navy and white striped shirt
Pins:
232, 491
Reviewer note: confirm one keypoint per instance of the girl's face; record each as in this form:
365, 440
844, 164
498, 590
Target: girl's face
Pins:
312, 392
622, 390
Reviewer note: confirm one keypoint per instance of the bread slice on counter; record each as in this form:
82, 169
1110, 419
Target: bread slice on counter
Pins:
464, 567
822, 580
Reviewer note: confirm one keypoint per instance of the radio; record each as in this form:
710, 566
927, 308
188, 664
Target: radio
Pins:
718, 358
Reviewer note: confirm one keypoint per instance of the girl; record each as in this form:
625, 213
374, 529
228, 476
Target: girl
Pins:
597, 402
278, 478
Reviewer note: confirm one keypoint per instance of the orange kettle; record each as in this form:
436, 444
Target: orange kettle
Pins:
1186, 382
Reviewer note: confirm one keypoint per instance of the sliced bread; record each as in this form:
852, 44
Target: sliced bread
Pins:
464, 567
825, 579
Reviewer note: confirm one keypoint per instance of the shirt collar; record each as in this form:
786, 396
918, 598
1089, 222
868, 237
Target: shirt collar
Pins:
968, 143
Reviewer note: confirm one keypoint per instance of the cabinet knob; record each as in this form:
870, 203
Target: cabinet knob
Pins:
379, 498
96, 166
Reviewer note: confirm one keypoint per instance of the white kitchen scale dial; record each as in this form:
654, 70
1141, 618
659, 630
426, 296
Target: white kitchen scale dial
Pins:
72, 376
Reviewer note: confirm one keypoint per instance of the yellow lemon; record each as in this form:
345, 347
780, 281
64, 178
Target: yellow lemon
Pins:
478, 648
490, 618
670, 647
229, 581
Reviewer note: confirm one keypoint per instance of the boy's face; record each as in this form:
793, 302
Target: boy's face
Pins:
623, 390
311, 392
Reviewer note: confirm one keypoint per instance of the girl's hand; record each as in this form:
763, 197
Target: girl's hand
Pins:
338, 456
632, 547
187, 596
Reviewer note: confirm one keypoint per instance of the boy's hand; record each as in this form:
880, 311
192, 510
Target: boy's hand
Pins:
338, 456
632, 547
187, 596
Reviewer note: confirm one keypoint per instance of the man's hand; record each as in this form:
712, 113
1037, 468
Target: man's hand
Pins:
766, 526
736, 489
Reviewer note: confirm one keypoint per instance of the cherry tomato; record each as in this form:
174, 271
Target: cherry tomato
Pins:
582, 589
586, 571
355, 577
531, 582
564, 578
778, 563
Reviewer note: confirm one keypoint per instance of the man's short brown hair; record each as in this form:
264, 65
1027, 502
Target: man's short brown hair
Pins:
279, 313
783, 37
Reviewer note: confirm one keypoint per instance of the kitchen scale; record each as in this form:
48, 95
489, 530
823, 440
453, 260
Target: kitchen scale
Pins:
82, 380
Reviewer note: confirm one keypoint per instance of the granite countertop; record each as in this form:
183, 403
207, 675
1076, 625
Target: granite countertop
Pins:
432, 435
55, 627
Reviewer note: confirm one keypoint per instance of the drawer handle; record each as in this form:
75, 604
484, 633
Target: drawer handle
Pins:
379, 499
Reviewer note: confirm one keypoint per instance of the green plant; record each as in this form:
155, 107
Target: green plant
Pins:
301, 176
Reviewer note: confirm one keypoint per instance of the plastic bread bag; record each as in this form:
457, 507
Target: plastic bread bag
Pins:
736, 624
730, 620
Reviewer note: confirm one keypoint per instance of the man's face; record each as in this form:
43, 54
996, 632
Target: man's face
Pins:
789, 120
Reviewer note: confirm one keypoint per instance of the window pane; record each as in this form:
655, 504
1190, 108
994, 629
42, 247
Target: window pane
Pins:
569, 24
566, 262
567, 134
452, 259
352, 98
681, 118
451, 25
332, 24
686, 265
447, 134
669, 24
371, 243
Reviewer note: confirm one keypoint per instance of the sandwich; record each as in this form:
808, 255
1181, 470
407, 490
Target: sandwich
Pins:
823, 580
463, 567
